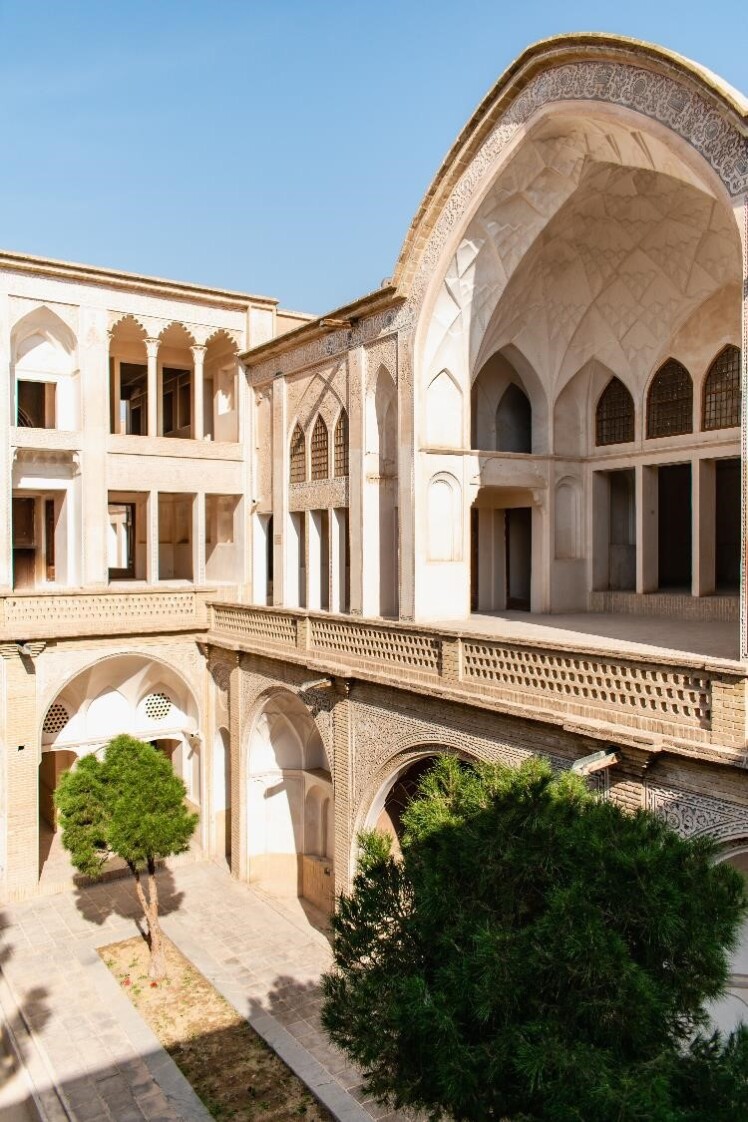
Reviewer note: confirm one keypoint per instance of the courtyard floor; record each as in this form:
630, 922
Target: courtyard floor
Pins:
79, 1032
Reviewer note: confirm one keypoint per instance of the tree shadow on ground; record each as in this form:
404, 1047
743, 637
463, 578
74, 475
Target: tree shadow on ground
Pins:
97, 901
21, 1014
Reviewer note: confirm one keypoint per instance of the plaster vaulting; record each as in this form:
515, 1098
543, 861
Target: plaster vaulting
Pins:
594, 240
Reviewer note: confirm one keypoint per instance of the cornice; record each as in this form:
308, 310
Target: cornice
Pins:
131, 282
340, 318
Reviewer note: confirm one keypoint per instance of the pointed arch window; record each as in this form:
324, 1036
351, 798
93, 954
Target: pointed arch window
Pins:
614, 418
297, 469
320, 453
670, 401
341, 445
721, 402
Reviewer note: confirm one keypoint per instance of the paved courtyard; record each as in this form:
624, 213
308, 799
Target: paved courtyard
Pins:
78, 1031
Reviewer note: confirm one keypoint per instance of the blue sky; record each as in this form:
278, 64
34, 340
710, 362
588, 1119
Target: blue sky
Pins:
274, 147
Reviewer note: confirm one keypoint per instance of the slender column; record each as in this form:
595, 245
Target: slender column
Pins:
647, 518
198, 385
283, 576
151, 347
152, 538
198, 533
356, 478
703, 527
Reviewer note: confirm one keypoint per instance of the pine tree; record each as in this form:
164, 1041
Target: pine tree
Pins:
538, 955
130, 804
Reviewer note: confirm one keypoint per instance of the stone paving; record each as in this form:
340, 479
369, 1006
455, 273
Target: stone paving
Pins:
82, 1034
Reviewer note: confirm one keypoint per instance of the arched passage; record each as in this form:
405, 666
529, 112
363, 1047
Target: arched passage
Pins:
733, 1007
289, 803
123, 694
385, 810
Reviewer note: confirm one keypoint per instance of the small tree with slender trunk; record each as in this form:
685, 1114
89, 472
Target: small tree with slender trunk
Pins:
129, 804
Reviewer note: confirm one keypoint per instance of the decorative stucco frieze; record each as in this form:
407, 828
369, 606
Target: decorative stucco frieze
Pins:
694, 815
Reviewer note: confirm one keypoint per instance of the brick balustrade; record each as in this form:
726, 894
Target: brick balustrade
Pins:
685, 699
74, 614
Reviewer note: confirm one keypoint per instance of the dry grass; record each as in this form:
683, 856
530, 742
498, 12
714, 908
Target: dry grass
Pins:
233, 1071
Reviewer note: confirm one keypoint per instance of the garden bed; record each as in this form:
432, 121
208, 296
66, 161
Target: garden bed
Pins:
237, 1076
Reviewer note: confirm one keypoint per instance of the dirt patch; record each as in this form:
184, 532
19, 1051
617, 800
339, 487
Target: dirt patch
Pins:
229, 1066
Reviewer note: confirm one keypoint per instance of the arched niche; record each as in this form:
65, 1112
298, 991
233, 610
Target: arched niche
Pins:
568, 520
288, 781
381, 529
504, 416
44, 357
732, 1009
444, 412
130, 694
444, 507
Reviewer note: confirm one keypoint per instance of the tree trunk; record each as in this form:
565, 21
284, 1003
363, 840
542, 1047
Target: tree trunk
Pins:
158, 960
149, 904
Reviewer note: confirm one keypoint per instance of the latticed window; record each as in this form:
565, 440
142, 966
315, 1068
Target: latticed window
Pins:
297, 469
341, 445
56, 719
722, 391
614, 420
670, 401
158, 706
320, 461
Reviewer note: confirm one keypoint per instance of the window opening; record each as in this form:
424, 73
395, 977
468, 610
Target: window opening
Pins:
297, 473
320, 468
614, 419
341, 445
121, 541
670, 401
722, 391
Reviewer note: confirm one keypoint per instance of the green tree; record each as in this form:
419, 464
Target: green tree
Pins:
130, 803
538, 955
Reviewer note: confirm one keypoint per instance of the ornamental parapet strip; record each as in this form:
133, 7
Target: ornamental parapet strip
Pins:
698, 703
56, 615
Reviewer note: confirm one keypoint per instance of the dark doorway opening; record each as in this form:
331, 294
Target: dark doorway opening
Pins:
727, 528
674, 527
518, 557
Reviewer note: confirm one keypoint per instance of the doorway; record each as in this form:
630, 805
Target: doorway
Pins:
674, 527
518, 539
727, 525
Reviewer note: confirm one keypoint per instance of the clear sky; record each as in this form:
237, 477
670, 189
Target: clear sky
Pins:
273, 146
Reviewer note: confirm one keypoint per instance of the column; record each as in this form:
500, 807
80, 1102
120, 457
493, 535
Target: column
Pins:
198, 385
7, 421
152, 538
740, 210
198, 534
343, 752
703, 527
282, 594
21, 773
356, 480
647, 520
154, 408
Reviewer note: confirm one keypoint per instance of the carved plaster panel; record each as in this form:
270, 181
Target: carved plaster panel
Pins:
695, 815
318, 494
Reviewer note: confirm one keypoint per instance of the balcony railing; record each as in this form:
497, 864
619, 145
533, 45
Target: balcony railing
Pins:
49, 615
685, 699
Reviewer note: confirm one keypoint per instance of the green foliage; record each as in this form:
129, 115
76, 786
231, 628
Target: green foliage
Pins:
538, 955
130, 803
